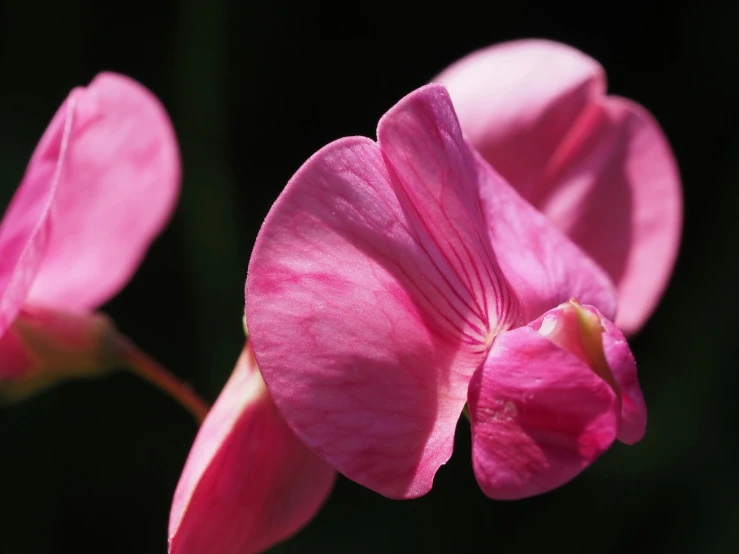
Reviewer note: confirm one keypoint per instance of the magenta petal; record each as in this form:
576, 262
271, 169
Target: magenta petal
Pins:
248, 482
616, 192
364, 345
539, 416
118, 181
438, 187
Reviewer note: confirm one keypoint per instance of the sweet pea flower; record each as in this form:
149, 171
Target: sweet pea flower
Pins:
394, 281
100, 186
599, 167
248, 482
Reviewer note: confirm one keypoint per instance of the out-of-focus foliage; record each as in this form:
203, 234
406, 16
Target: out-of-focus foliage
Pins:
254, 89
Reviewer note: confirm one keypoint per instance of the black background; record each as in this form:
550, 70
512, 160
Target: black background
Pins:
253, 89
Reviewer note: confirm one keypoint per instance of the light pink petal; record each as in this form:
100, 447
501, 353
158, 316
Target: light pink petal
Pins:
518, 100
600, 168
539, 416
248, 482
25, 228
542, 265
118, 184
616, 192
622, 364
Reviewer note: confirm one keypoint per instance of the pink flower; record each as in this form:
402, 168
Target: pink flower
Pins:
100, 186
387, 277
597, 166
248, 482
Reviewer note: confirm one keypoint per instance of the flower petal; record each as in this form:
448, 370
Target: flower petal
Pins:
622, 364
118, 184
516, 102
616, 192
248, 482
539, 416
438, 188
364, 345
25, 228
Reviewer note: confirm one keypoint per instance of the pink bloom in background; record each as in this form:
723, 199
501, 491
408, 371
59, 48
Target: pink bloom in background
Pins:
248, 482
597, 166
100, 186
390, 275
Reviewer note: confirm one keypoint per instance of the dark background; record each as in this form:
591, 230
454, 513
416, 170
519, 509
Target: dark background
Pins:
254, 88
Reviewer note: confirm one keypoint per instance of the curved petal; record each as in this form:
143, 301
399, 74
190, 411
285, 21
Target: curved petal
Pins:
25, 228
616, 192
118, 184
516, 102
539, 416
542, 266
248, 482
364, 345
622, 364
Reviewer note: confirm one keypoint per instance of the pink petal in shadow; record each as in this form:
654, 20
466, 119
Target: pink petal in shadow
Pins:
248, 483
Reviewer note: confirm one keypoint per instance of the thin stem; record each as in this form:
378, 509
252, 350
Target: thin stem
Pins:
150, 370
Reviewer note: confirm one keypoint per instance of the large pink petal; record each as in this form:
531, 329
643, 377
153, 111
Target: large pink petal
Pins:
517, 101
25, 228
600, 168
357, 326
539, 414
118, 183
248, 482
616, 192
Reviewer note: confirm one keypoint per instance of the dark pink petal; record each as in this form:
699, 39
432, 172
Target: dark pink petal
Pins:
438, 189
362, 338
517, 101
248, 482
539, 414
600, 168
118, 181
